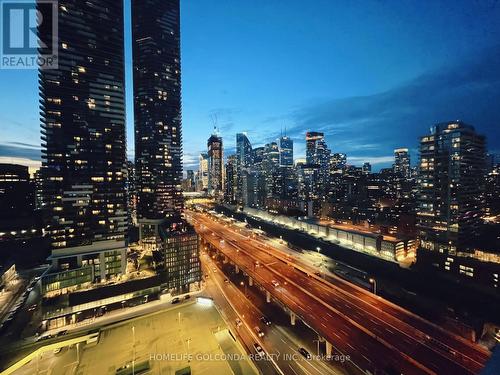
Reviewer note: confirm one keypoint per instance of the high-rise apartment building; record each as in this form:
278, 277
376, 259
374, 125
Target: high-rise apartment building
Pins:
158, 142
83, 146
157, 110
450, 199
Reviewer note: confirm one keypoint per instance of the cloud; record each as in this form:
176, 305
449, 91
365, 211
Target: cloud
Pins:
20, 150
24, 145
372, 126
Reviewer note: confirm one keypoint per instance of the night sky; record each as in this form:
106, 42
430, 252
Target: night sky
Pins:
372, 75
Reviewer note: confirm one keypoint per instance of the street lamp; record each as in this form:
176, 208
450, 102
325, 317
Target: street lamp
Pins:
133, 350
374, 283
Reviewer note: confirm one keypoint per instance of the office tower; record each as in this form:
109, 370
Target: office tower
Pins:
402, 163
157, 111
231, 179
318, 154
367, 168
270, 163
451, 183
202, 172
158, 143
286, 174
243, 161
215, 165
286, 151
243, 150
83, 146
259, 176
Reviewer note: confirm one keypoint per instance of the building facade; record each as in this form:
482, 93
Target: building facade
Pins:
158, 143
243, 161
402, 162
215, 165
83, 144
450, 199
202, 172
157, 110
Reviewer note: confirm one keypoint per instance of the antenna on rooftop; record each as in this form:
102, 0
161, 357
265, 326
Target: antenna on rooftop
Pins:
213, 117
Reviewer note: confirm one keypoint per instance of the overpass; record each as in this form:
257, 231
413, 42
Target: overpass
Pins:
376, 334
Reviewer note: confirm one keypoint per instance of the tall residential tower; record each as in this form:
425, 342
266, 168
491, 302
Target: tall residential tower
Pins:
452, 162
157, 110
158, 143
83, 146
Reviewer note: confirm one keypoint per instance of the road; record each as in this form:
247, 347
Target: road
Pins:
375, 333
278, 341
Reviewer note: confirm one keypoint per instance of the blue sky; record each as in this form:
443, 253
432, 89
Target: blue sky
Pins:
373, 75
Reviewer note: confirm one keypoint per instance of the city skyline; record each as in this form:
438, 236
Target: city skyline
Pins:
337, 210
350, 96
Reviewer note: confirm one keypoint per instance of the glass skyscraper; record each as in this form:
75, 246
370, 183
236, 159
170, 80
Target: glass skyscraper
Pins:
243, 161
157, 109
215, 165
286, 151
83, 144
402, 162
158, 143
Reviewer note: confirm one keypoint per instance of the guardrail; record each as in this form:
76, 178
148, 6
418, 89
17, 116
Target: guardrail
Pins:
92, 337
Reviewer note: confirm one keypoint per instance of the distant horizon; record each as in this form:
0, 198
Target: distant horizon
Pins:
370, 86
